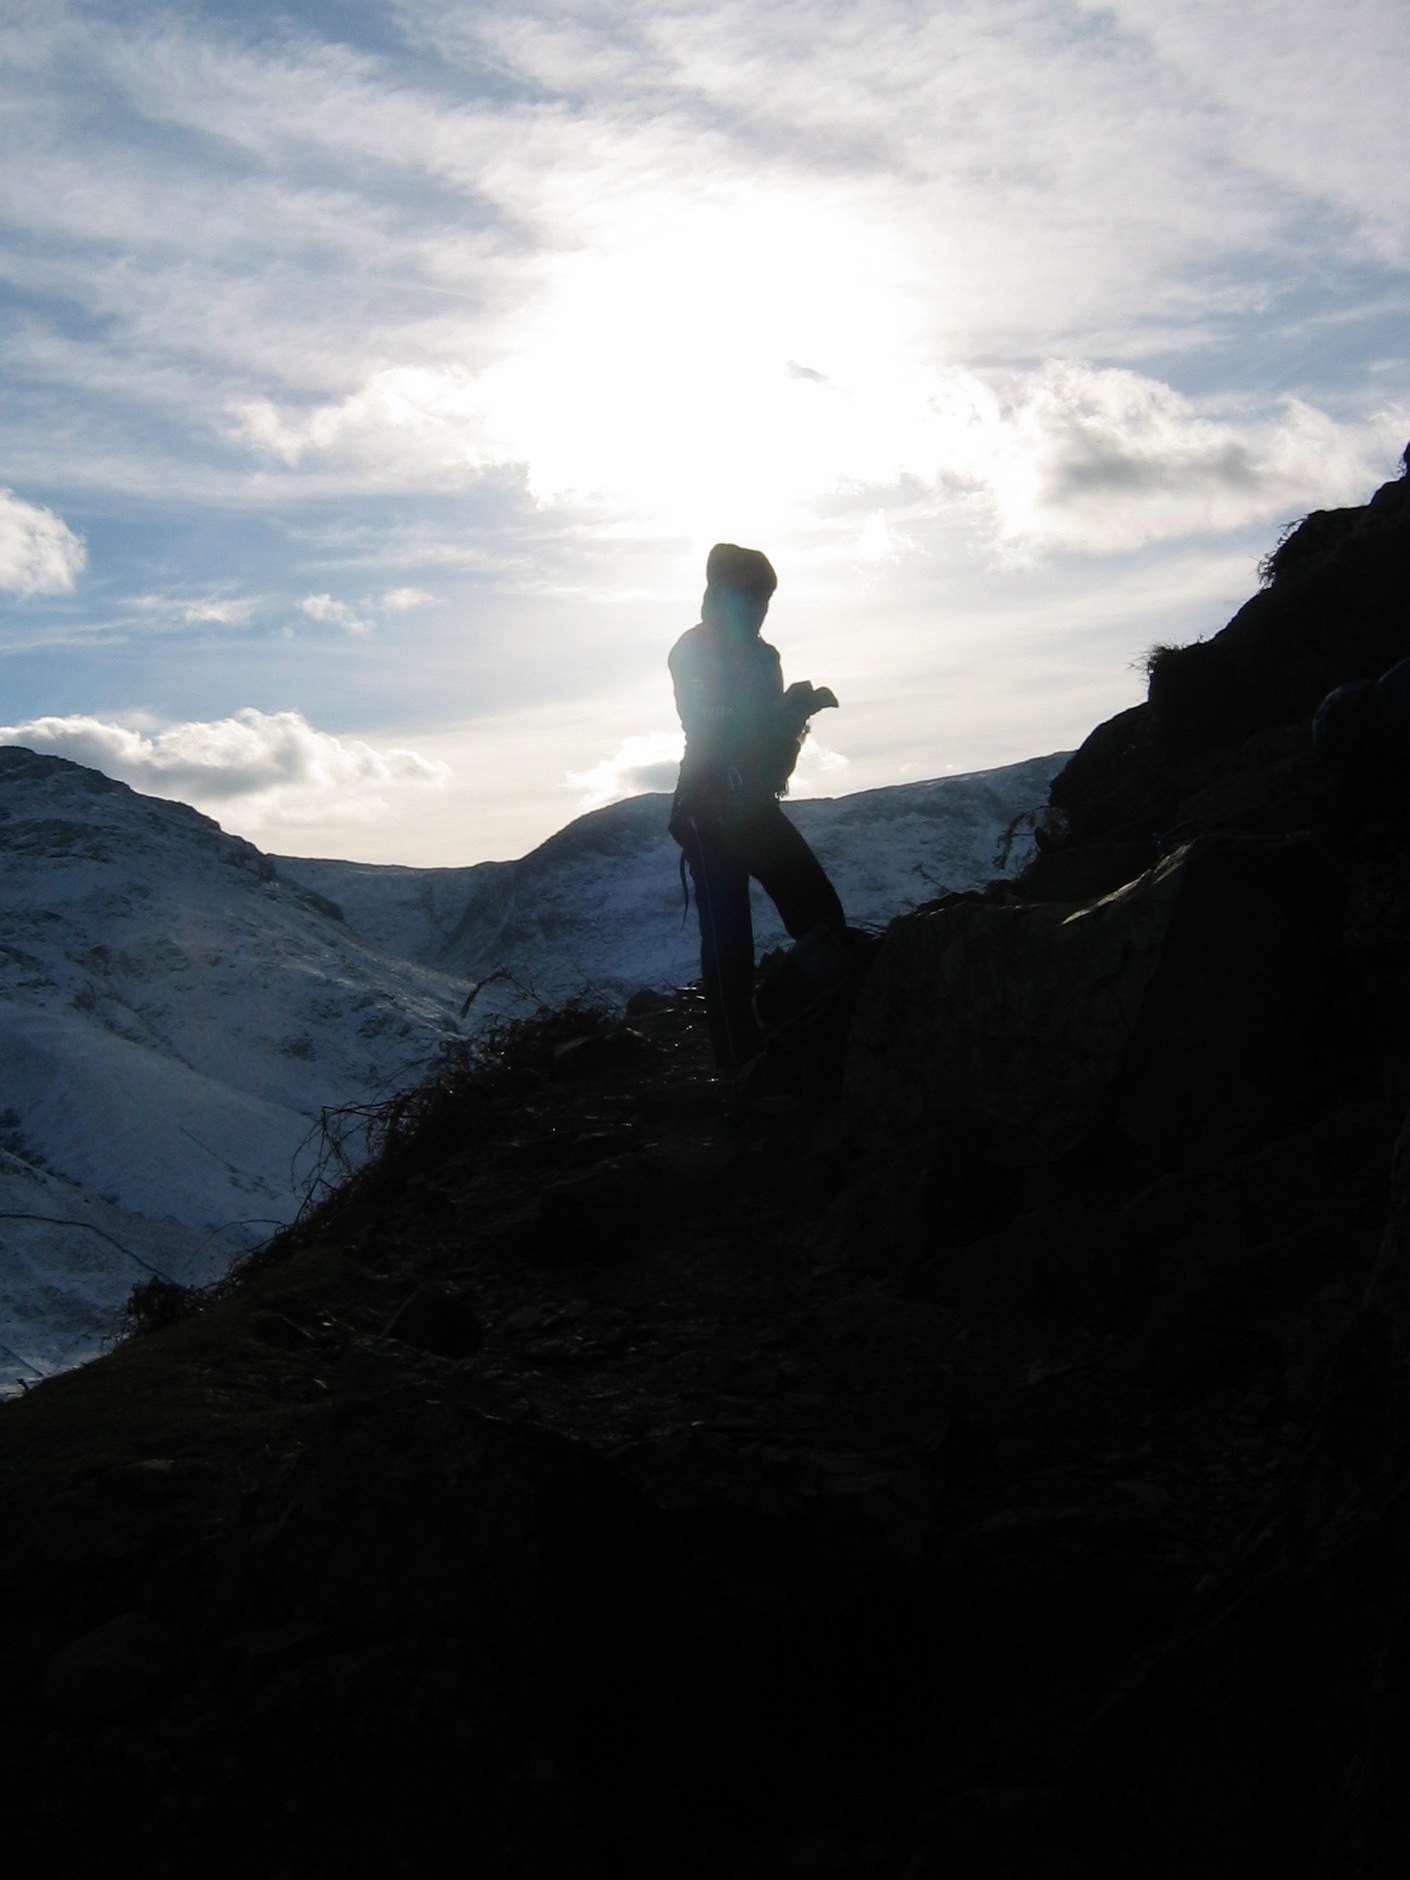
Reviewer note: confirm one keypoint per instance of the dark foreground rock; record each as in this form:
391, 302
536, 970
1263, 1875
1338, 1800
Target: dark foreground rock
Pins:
1000, 1468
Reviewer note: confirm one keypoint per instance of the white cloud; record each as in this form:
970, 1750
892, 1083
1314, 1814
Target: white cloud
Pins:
404, 417
878, 542
39, 552
643, 397
639, 764
218, 613
1323, 117
1101, 459
403, 600
265, 771
821, 771
328, 612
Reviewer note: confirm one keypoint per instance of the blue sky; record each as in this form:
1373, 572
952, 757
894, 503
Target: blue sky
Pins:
378, 375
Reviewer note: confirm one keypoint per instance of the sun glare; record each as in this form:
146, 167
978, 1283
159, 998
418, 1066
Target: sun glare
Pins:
731, 361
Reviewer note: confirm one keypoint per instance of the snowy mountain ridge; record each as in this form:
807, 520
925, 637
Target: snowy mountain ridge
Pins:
177, 1008
600, 902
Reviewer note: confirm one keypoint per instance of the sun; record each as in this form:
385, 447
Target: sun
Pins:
729, 360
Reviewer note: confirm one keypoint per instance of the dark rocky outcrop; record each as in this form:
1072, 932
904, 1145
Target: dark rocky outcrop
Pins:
1189, 1007
1001, 1469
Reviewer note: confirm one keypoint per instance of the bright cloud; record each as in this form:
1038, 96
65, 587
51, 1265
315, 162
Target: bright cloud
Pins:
328, 612
415, 419
1100, 459
1075, 456
727, 321
639, 764
877, 541
39, 552
267, 770
821, 770
218, 613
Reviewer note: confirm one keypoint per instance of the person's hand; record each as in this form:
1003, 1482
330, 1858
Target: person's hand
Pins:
807, 698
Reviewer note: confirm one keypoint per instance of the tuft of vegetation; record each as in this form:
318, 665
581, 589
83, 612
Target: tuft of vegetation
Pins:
1269, 565
1157, 659
220, 1384
467, 1091
1021, 827
156, 1304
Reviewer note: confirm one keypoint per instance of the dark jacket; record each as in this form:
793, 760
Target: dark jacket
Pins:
742, 736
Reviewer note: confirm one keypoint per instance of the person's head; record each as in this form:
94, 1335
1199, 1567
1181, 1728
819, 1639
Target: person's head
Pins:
739, 583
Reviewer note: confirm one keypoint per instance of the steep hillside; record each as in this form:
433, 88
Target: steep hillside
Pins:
412, 912
173, 1018
979, 1450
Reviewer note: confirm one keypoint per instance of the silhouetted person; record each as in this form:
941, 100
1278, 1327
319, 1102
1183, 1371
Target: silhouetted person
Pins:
743, 732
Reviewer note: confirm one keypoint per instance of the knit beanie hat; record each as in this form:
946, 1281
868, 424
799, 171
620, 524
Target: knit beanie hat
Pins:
745, 570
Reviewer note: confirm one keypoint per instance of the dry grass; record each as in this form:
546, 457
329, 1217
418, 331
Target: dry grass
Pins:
212, 1385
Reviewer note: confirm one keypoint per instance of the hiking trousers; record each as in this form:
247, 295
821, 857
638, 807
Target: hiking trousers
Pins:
723, 849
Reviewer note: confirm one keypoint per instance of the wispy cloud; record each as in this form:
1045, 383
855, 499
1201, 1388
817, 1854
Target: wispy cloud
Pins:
218, 613
513, 258
1324, 124
39, 552
332, 613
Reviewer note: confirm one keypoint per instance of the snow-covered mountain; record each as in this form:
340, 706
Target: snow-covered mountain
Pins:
176, 1008
601, 903
173, 1017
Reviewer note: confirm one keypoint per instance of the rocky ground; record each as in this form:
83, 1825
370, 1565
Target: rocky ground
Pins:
984, 1455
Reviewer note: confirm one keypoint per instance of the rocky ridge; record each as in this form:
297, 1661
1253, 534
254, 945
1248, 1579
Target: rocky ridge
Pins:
993, 1463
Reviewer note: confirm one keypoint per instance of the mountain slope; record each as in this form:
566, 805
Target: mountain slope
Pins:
176, 1008
173, 1018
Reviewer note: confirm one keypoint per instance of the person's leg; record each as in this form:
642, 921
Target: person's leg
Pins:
721, 882
790, 874
820, 964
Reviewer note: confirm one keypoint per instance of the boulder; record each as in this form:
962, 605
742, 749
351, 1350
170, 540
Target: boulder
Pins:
111, 1669
1335, 610
1270, 1734
1205, 1001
